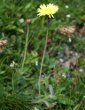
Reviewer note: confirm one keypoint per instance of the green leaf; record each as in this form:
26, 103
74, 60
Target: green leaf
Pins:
64, 100
27, 7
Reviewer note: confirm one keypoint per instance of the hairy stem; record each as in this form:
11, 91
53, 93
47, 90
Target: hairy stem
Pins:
42, 61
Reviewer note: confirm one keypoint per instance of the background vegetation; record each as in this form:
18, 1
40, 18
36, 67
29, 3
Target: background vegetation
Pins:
61, 88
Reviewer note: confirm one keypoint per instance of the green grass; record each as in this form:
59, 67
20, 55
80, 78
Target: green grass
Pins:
19, 88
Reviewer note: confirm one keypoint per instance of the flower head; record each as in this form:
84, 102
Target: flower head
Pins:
28, 20
48, 10
66, 6
68, 15
21, 20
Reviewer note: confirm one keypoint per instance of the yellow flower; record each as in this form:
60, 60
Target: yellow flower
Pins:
48, 10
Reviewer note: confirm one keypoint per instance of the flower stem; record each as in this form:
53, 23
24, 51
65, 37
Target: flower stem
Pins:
42, 61
25, 50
